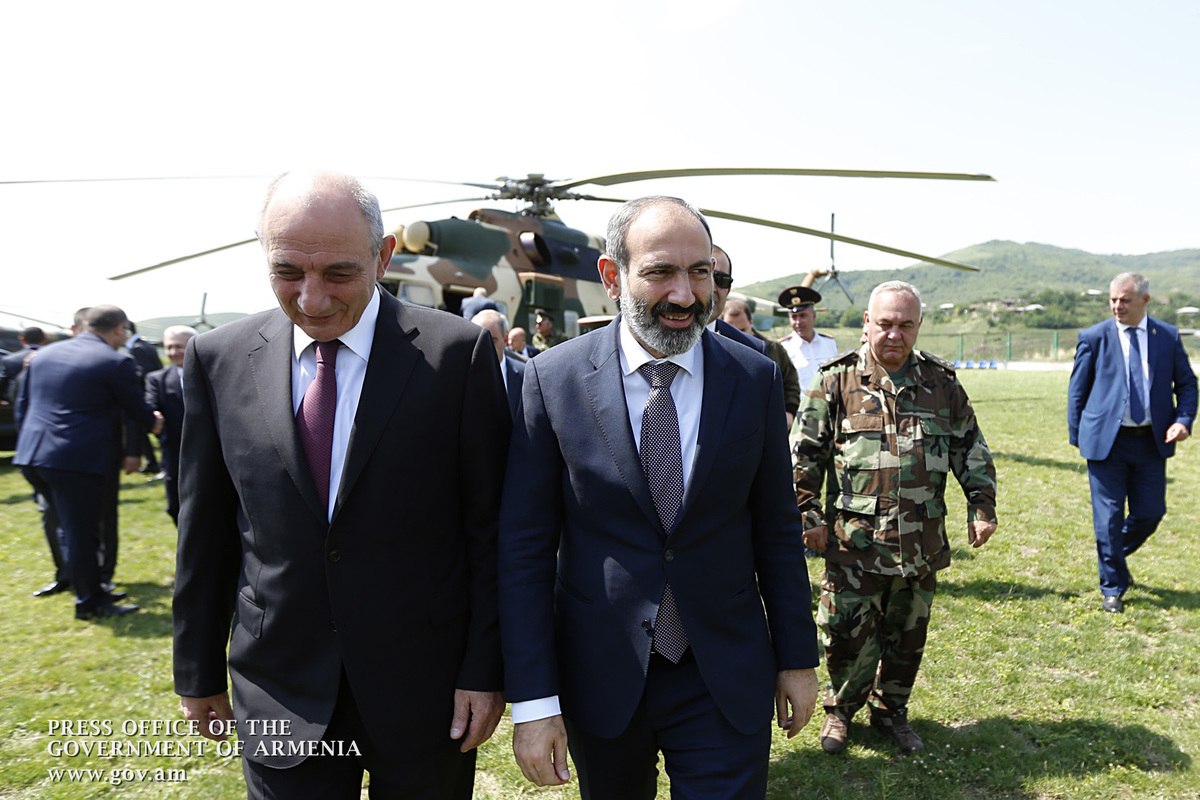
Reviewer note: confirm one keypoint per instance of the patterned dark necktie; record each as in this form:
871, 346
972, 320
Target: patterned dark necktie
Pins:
315, 418
662, 461
1137, 383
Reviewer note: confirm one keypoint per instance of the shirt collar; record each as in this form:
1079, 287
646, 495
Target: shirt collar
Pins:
634, 355
359, 338
1141, 326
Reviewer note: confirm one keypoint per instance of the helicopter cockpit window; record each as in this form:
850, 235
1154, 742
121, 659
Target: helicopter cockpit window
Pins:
416, 293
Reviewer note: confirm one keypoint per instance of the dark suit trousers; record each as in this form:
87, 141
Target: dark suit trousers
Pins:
78, 499
1133, 471
439, 772
109, 522
49, 524
706, 758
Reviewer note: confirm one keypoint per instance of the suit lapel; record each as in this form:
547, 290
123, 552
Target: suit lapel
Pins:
718, 395
271, 366
1154, 350
393, 358
605, 389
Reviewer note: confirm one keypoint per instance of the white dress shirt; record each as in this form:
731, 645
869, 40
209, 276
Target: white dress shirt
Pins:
807, 356
687, 390
1144, 348
350, 368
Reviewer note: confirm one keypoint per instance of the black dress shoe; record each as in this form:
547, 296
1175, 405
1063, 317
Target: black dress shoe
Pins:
1113, 605
110, 589
53, 588
104, 610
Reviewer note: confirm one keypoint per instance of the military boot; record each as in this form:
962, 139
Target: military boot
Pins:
835, 734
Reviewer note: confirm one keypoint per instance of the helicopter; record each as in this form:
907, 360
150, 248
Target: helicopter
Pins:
530, 260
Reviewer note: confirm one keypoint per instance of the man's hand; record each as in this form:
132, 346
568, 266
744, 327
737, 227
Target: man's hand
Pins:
475, 715
815, 538
797, 687
131, 464
1177, 432
541, 750
159, 421
979, 531
205, 711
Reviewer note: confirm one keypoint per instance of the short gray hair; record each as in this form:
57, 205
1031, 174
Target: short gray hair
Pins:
325, 184
617, 236
1141, 284
174, 331
488, 315
898, 287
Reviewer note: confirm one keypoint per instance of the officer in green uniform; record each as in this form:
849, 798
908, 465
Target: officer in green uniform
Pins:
546, 336
880, 432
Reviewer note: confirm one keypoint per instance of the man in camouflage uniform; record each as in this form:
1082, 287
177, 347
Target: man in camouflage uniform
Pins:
546, 336
880, 432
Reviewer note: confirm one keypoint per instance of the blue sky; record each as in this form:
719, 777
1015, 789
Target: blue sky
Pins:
1085, 113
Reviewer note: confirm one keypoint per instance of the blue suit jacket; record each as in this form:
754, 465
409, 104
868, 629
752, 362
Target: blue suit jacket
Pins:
164, 392
1100, 387
584, 558
72, 393
514, 378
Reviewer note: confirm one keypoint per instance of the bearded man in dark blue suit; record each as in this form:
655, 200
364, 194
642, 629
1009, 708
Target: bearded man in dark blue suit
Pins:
632, 608
1132, 398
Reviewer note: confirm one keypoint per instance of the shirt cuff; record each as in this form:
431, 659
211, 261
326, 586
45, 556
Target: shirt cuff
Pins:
531, 710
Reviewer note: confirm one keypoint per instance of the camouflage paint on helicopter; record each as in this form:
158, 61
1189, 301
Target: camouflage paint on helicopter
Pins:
524, 262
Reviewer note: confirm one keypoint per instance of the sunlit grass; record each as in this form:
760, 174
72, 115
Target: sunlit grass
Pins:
1027, 689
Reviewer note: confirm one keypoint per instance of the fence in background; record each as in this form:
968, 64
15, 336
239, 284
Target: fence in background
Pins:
999, 346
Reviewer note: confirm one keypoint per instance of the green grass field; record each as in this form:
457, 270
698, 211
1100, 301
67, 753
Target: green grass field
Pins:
1027, 690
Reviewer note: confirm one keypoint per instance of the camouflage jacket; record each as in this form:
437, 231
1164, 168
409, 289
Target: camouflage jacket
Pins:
546, 342
883, 452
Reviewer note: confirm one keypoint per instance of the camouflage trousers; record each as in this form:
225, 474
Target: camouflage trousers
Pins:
873, 630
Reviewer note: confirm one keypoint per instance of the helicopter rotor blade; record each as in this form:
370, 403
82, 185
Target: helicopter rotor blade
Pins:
838, 238
232, 245
630, 177
179, 260
435, 203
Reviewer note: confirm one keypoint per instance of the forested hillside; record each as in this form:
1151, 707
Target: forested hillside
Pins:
1014, 272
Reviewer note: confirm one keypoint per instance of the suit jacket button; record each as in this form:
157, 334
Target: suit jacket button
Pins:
669, 555
334, 556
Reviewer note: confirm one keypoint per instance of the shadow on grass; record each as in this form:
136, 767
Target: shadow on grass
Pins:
990, 591
153, 621
1078, 465
996, 758
1163, 598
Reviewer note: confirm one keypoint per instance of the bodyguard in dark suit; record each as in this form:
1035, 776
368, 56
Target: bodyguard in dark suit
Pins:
164, 393
146, 356
651, 522
341, 467
71, 394
12, 364
512, 369
1132, 397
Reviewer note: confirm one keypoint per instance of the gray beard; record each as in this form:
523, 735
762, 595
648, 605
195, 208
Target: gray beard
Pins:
668, 341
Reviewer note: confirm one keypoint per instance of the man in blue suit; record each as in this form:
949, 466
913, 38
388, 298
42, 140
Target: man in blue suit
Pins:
647, 522
1132, 397
71, 393
164, 393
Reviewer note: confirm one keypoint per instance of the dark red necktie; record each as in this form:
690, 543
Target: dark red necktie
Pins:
315, 418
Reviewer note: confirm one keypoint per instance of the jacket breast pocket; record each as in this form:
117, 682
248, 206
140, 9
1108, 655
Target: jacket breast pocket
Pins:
935, 440
862, 441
